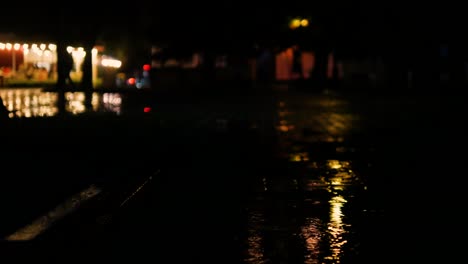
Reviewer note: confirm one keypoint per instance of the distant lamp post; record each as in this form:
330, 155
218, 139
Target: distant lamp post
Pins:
13, 48
16, 48
298, 22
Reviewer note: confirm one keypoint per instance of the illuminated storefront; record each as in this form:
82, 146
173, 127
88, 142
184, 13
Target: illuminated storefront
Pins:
37, 62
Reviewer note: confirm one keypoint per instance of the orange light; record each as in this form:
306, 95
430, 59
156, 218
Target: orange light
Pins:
131, 81
295, 23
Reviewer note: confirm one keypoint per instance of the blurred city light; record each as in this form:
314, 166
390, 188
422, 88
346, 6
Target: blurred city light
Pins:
298, 22
131, 81
295, 23
109, 62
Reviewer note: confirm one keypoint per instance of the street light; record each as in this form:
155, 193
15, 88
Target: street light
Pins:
298, 22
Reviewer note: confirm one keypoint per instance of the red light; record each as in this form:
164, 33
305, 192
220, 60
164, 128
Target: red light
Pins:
147, 109
131, 81
146, 67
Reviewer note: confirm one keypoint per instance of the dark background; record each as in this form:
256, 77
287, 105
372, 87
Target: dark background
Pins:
405, 34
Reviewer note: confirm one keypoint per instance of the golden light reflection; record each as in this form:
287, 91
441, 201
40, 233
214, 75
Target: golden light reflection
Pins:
336, 228
338, 164
315, 120
336, 181
333, 175
299, 157
33, 102
75, 102
323, 120
315, 235
341, 175
255, 250
312, 234
111, 102
334, 164
283, 124
285, 128
29, 102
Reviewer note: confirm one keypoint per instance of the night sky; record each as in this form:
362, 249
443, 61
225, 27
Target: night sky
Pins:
358, 27
203, 16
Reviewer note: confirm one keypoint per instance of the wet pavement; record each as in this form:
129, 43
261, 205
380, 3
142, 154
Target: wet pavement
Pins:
283, 177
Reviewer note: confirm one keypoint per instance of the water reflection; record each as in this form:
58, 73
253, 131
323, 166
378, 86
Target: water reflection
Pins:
336, 228
312, 136
312, 234
29, 102
325, 240
318, 121
255, 252
34, 102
